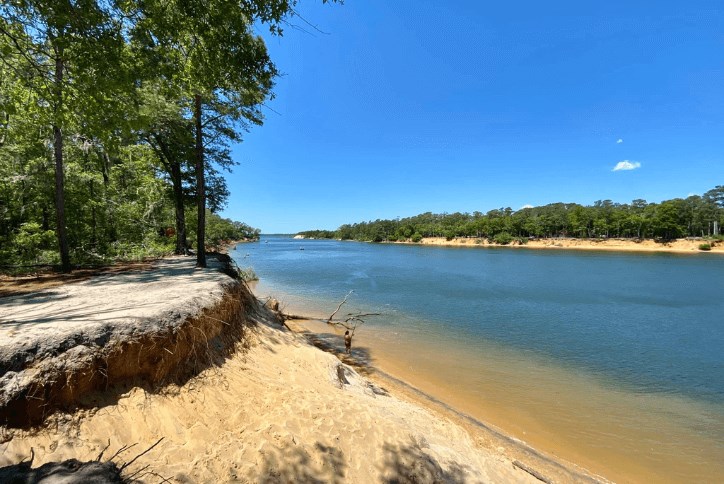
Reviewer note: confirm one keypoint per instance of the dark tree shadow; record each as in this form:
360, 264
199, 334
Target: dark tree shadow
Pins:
294, 464
410, 464
69, 471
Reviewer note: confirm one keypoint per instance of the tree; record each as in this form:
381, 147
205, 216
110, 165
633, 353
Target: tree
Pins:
223, 68
58, 50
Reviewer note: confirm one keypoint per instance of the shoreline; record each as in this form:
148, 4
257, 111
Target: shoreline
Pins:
540, 464
433, 386
269, 405
678, 246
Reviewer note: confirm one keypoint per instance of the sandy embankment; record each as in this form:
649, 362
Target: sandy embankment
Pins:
276, 409
620, 245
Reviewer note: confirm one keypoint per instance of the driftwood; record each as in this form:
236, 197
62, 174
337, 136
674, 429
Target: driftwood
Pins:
329, 320
352, 320
531, 471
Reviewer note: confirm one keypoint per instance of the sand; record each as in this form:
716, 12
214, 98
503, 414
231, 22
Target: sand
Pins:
277, 410
687, 246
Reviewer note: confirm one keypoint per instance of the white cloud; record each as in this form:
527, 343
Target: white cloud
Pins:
626, 165
619, 141
527, 205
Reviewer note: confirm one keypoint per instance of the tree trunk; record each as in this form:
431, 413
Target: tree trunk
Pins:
94, 237
58, 153
173, 168
178, 199
200, 187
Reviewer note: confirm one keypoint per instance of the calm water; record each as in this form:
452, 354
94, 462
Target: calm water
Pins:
646, 330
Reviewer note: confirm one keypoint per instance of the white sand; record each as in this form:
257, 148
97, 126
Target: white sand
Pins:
174, 289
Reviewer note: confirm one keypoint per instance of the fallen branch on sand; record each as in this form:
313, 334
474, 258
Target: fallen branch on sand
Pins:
531, 471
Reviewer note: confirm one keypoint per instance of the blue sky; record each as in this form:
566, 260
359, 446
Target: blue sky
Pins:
410, 106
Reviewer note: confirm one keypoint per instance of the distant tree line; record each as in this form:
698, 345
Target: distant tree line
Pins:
694, 216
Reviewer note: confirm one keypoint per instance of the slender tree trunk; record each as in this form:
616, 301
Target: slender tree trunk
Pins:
58, 153
200, 187
173, 168
178, 199
94, 238
111, 232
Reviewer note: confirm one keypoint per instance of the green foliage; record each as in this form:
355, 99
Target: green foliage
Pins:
220, 231
31, 244
98, 96
502, 238
704, 246
247, 274
690, 217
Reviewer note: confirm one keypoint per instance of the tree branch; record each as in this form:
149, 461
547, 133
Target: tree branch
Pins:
329, 320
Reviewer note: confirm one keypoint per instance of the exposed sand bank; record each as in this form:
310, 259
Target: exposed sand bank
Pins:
622, 245
277, 409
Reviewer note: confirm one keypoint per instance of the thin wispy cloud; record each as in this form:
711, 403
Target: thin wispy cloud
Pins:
619, 141
527, 205
626, 165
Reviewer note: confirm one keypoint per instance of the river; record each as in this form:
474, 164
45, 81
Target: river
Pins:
612, 361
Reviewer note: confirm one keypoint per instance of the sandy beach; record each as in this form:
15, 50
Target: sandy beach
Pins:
274, 408
682, 246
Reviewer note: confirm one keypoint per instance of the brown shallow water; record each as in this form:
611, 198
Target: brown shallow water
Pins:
580, 418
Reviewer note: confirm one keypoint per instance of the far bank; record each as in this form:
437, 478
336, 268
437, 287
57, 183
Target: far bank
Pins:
623, 245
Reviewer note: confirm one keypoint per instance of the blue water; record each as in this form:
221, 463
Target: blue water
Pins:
651, 323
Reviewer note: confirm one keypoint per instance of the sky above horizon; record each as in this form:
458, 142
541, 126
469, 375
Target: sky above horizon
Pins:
400, 108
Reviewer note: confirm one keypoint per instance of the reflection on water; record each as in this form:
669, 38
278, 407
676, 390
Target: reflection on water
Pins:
613, 361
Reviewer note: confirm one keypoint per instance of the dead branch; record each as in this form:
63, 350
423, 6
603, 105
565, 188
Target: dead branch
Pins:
352, 320
329, 320
139, 455
100, 456
121, 450
531, 471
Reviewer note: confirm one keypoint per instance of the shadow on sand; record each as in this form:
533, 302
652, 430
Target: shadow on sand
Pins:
327, 464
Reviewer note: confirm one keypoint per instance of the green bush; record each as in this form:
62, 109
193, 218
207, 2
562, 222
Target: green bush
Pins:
503, 238
247, 274
30, 241
522, 240
704, 247
416, 237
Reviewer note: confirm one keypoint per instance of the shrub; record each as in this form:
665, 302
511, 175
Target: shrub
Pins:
704, 247
503, 238
247, 274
